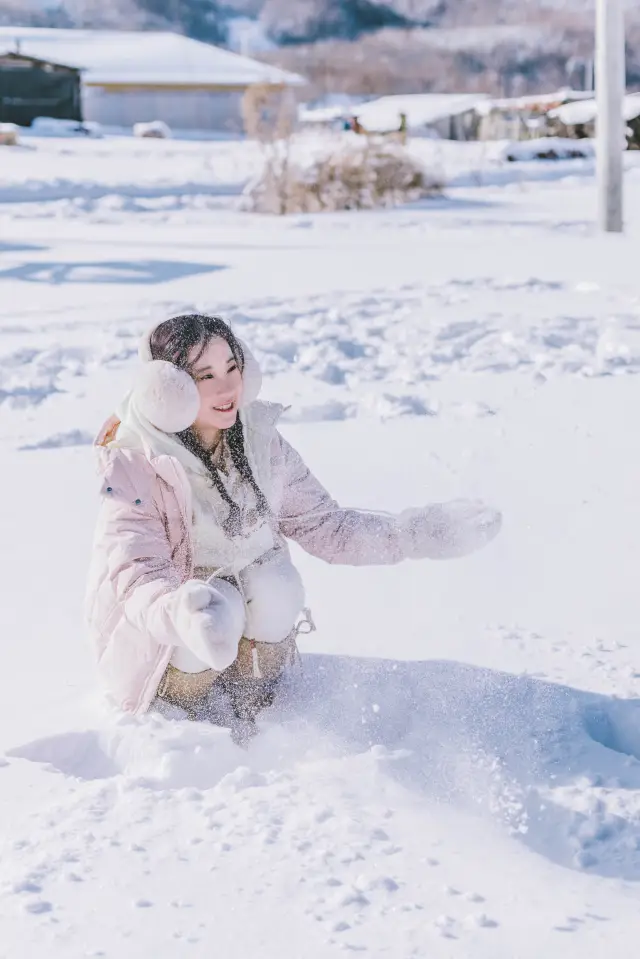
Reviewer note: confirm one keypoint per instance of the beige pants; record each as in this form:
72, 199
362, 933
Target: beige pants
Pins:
255, 672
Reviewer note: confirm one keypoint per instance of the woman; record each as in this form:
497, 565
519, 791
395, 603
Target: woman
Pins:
193, 600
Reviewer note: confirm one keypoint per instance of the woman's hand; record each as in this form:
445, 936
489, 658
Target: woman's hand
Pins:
448, 530
209, 620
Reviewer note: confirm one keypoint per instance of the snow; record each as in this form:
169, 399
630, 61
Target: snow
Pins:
53, 127
586, 111
533, 102
548, 148
421, 109
324, 114
456, 772
147, 58
157, 129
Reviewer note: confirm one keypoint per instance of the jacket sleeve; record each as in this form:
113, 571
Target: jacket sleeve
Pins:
132, 550
335, 534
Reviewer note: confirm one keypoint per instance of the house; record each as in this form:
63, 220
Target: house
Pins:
447, 115
579, 119
31, 87
523, 118
132, 77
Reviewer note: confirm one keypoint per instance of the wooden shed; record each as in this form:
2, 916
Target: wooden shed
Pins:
31, 87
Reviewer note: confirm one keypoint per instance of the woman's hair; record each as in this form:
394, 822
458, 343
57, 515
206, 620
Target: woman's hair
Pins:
173, 341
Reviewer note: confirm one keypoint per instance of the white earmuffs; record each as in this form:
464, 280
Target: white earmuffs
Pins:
168, 397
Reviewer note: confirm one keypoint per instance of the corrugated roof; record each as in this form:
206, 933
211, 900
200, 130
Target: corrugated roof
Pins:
158, 59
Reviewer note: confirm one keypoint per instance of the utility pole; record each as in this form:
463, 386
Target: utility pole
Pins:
610, 91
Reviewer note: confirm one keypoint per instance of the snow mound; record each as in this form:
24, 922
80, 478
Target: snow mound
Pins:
53, 127
155, 129
518, 752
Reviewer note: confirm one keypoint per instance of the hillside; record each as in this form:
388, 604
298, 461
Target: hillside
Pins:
294, 21
505, 47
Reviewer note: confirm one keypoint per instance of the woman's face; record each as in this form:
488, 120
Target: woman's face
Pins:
219, 383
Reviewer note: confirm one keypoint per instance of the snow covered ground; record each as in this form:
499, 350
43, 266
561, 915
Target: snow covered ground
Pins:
456, 773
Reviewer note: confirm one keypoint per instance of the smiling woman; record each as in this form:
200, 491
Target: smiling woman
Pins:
206, 349
193, 598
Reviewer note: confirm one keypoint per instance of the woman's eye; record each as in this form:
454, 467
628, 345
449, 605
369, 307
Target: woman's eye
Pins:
233, 368
206, 376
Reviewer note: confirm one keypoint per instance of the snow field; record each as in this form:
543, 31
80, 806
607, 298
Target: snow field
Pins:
456, 772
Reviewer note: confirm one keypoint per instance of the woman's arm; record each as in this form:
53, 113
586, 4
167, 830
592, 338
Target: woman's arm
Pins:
133, 551
323, 528
354, 537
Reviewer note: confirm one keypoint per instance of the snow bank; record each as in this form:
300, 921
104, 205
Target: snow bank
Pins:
548, 148
53, 127
187, 173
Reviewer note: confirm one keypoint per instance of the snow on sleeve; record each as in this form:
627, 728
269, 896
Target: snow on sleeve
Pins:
333, 533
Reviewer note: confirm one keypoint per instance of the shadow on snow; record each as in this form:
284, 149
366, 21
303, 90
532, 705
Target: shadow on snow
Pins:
558, 767
107, 271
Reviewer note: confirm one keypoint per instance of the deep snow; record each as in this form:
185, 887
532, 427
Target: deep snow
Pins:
456, 773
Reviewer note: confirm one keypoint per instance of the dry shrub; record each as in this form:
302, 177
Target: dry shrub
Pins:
365, 176
269, 115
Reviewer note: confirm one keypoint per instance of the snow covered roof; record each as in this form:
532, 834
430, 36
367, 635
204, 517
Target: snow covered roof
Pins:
322, 114
142, 58
421, 109
585, 112
534, 101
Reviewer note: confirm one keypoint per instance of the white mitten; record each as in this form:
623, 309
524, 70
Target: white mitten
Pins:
209, 620
448, 530
275, 598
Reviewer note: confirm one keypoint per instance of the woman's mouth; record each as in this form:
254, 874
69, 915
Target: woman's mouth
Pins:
224, 409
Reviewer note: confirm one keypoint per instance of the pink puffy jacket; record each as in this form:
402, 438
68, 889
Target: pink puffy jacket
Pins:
143, 550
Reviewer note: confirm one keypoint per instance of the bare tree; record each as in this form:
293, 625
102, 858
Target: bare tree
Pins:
269, 118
